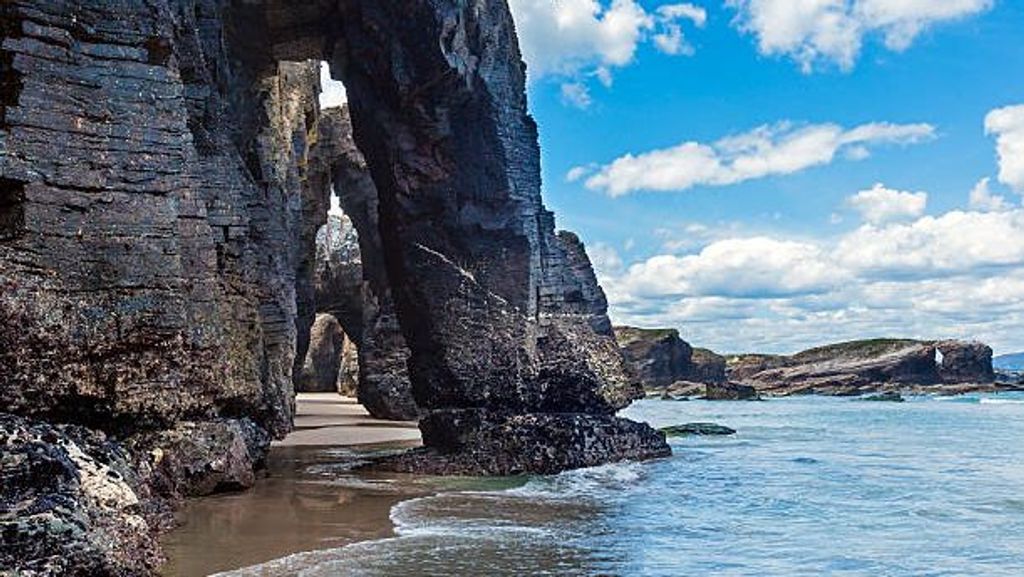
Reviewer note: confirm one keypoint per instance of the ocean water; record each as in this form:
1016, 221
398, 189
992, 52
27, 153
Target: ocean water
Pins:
808, 486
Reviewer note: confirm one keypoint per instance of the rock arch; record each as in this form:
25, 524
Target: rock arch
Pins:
172, 169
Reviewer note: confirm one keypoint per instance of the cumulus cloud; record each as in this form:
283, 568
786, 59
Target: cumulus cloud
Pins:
982, 198
741, 267
332, 92
816, 31
880, 204
955, 242
1007, 125
782, 148
577, 39
958, 275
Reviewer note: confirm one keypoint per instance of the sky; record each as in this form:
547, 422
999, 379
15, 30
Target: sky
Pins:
770, 175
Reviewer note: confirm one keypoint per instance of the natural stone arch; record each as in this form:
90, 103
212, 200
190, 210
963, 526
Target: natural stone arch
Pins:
169, 258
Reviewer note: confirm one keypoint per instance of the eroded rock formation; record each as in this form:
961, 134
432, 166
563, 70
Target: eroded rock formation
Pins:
659, 358
867, 366
164, 170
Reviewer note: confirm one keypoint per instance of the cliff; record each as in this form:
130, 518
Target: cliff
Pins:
859, 367
164, 171
658, 358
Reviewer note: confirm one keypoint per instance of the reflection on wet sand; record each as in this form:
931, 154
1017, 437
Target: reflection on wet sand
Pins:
302, 504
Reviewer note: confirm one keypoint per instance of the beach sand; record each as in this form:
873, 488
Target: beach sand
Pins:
307, 500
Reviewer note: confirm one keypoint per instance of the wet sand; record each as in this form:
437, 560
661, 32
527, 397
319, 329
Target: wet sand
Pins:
307, 500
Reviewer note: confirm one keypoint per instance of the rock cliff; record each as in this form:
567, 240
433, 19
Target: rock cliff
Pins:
164, 170
658, 358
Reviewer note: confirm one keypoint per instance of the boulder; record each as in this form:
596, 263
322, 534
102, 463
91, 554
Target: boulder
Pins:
697, 429
730, 392
195, 459
320, 372
71, 504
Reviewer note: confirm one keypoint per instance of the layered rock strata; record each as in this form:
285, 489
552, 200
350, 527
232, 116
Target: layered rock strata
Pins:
164, 170
860, 367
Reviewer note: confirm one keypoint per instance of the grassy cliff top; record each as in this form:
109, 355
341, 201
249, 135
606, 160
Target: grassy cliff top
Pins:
861, 348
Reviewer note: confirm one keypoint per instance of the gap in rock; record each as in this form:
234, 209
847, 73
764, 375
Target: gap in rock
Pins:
12, 209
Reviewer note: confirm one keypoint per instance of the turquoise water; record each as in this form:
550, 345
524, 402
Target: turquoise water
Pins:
808, 486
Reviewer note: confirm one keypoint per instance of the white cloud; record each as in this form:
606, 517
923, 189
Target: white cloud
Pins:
740, 267
578, 38
982, 199
332, 92
783, 148
955, 275
955, 242
816, 31
576, 94
1007, 124
880, 204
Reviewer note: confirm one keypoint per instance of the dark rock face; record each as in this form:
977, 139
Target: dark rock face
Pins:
965, 362
320, 372
162, 198
861, 367
164, 170
479, 443
71, 504
658, 357
706, 367
730, 392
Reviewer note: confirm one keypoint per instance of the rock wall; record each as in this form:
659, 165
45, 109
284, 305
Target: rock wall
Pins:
163, 173
657, 357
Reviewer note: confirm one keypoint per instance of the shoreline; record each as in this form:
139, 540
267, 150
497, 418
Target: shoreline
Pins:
305, 500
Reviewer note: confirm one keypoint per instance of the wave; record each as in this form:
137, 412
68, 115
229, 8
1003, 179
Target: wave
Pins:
517, 528
987, 401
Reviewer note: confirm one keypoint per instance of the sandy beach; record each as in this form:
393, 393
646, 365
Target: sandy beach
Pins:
305, 501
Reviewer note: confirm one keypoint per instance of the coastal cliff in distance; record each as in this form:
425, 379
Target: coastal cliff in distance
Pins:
665, 364
867, 366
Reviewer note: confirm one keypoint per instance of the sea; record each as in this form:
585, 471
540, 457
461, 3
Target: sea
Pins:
808, 486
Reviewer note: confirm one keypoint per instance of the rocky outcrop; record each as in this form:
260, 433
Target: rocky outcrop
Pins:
706, 367
533, 443
860, 367
164, 170
658, 358
357, 287
701, 429
348, 373
71, 503
730, 392
325, 359
963, 362
200, 458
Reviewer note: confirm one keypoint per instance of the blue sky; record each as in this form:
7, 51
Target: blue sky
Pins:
842, 210
769, 175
